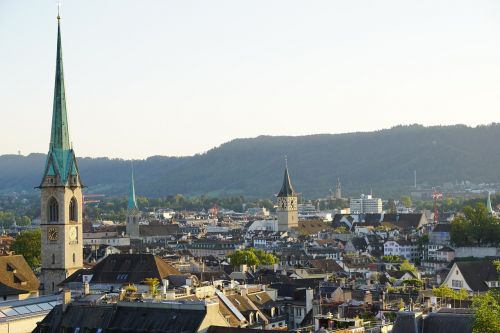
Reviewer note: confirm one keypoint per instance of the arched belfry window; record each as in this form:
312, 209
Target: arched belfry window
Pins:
53, 210
73, 210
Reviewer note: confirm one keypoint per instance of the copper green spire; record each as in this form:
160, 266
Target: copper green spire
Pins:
61, 160
132, 203
59, 138
488, 204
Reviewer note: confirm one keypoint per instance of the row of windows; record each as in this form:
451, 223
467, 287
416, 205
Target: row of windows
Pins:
213, 246
53, 210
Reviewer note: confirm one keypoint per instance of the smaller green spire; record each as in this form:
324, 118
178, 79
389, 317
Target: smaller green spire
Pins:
488, 204
132, 203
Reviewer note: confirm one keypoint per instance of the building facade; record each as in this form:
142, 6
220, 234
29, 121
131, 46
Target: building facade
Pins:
366, 204
402, 248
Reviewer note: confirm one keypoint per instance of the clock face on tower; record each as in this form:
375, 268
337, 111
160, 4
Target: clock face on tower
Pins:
73, 234
53, 234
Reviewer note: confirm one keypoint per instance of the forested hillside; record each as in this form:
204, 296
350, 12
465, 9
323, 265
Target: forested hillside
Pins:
383, 161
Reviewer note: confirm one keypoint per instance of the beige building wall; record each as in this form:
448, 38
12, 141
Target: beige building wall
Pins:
288, 215
213, 317
24, 325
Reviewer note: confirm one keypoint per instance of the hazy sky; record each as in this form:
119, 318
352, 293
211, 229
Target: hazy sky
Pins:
180, 77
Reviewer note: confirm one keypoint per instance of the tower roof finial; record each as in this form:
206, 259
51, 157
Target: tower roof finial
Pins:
58, 10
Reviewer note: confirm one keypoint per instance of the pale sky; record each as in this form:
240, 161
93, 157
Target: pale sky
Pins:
181, 77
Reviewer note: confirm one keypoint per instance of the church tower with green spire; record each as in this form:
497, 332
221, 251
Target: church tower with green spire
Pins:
288, 216
61, 194
133, 213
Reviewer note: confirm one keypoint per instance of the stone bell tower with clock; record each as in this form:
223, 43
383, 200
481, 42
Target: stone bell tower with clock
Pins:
61, 195
288, 216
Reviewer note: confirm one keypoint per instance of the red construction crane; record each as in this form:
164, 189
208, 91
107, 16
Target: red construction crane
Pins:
436, 195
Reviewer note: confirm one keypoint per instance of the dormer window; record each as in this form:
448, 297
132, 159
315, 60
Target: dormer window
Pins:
10, 268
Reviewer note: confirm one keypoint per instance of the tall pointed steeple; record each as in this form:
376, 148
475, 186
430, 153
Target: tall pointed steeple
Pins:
488, 204
59, 137
287, 188
132, 203
61, 160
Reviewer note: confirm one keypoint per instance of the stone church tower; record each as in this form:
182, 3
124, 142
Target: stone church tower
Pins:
133, 213
61, 195
288, 216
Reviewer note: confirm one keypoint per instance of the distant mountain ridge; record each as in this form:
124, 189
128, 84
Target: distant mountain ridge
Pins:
383, 161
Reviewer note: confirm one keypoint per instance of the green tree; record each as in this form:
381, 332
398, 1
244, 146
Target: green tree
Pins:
391, 258
391, 206
486, 313
443, 291
407, 266
265, 258
23, 220
406, 201
252, 257
243, 257
475, 227
28, 244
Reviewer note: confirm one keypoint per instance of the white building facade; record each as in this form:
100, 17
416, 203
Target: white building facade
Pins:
366, 204
405, 249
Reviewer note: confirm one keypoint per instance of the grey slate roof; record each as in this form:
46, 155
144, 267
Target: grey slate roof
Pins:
115, 319
286, 188
125, 268
442, 227
476, 273
447, 322
409, 322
